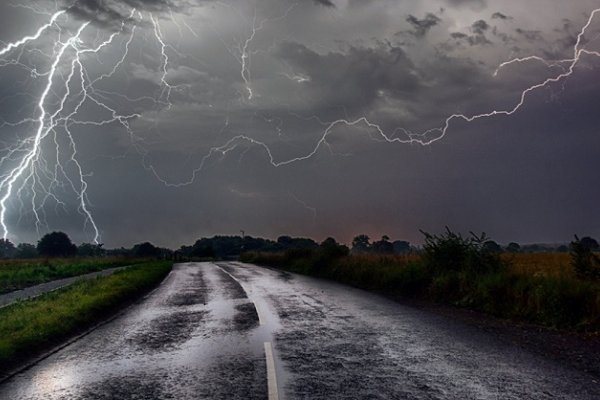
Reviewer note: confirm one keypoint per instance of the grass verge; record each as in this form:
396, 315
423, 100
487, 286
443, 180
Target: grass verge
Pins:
28, 328
19, 274
537, 288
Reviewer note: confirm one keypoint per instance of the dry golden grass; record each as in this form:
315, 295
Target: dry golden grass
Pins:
540, 264
385, 259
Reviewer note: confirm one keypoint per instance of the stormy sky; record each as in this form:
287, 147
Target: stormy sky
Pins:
209, 117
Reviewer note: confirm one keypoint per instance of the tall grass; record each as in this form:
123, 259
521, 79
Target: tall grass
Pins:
19, 274
550, 265
28, 327
539, 288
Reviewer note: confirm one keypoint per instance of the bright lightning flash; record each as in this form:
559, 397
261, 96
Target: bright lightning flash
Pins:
40, 164
428, 137
35, 170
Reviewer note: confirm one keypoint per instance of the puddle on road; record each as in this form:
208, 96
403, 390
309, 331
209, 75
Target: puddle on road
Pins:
167, 331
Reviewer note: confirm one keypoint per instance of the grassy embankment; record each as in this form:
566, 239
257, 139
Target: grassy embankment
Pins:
19, 274
538, 288
30, 327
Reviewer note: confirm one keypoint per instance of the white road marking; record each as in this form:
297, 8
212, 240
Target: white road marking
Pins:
271, 372
261, 316
271, 375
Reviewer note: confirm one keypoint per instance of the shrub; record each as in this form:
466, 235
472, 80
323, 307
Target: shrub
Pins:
585, 263
451, 252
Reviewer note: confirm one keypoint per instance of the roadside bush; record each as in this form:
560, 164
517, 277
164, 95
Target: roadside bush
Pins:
451, 252
585, 263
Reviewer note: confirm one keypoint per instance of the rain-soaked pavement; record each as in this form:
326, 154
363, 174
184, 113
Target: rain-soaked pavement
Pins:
209, 330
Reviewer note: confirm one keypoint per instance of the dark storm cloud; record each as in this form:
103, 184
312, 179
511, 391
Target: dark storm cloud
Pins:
326, 3
353, 78
422, 26
480, 27
478, 4
531, 35
109, 12
499, 15
478, 37
459, 35
309, 68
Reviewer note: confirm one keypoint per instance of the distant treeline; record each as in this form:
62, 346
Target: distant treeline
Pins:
58, 244
233, 246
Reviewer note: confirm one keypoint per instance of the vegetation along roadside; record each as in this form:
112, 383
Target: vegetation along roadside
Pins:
19, 274
465, 272
30, 327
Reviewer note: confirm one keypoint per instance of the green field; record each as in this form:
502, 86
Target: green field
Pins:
19, 274
29, 327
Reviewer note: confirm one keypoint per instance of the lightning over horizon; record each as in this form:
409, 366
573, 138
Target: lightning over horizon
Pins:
84, 83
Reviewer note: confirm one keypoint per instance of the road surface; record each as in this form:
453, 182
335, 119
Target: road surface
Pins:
235, 331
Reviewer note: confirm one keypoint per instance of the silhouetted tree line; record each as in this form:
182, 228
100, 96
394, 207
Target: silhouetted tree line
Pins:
362, 244
58, 244
224, 247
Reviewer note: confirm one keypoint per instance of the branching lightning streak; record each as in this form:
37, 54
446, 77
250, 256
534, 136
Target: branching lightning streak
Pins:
165, 63
7, 184
244, 58
425, 138
36, 36
32, 168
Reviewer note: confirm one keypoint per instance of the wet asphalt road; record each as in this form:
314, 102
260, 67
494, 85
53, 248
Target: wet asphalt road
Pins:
208, 330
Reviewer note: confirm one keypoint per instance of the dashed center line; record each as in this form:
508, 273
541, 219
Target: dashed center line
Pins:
271, 372
271, 375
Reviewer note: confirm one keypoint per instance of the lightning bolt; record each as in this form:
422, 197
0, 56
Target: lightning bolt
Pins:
33, 155
32, 169
244, 49
401, 135
166, 92
29, 167
36, 36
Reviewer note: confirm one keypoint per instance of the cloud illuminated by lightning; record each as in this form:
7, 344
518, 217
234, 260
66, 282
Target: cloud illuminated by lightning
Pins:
425, 138
39, 163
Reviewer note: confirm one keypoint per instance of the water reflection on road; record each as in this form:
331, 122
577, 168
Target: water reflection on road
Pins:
201, 335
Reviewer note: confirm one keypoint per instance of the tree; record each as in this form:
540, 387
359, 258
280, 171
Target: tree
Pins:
330, 249
383, 246
361, 244
203, 249
589, 243
145, 249
56, 244
401, 246
7, 249
492, 246
513, 247
90, 250
585, 263
26, 250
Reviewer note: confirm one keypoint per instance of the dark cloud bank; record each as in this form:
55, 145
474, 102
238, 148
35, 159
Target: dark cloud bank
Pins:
529, 177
